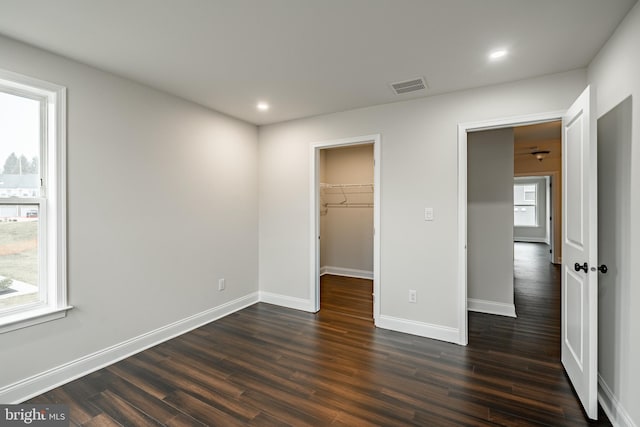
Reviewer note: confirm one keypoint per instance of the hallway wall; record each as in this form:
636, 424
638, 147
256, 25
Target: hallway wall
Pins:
490, 222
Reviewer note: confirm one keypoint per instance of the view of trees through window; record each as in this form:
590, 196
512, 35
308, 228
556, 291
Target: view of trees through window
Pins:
15, 165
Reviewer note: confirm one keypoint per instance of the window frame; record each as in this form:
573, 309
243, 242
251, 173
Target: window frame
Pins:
52, 203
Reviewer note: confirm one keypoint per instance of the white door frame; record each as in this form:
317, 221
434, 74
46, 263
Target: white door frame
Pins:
463, 128
314, 279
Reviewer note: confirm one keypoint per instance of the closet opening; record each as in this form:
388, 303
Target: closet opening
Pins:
346, 230
345, 214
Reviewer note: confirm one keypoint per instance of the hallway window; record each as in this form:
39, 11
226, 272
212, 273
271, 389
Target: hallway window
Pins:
524, 205
32, 202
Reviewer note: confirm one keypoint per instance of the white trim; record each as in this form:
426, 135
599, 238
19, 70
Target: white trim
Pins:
346, 272
463, 315
287, 301
616, 413
427, 330
314, 215
491, 307
45, 381
24, 319
59, 213
27, 84
463, 128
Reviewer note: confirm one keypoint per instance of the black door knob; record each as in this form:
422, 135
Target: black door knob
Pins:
579, 267
603, 269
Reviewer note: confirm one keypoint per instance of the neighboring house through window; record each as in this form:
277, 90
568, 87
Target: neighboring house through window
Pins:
33, 283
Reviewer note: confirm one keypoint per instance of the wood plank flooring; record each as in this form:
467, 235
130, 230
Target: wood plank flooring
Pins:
347, 295
271, 366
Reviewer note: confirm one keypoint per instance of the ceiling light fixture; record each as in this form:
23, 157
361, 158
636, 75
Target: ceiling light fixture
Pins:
262, 106
497, 54
540, 154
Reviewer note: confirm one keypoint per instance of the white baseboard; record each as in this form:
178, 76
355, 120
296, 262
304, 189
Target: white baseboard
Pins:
45, 381
491, 307
531, 239
287, 301
618, 416
346, 272
427, 330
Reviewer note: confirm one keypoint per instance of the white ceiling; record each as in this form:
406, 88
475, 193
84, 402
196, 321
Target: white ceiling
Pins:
310, 57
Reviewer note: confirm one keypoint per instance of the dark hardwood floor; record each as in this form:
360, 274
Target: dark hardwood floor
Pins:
271, 366
347, 295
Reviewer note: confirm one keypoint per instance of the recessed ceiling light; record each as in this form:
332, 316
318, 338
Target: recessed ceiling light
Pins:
497, 54
262, 106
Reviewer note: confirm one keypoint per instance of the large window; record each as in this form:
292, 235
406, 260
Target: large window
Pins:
525, 197
32, 202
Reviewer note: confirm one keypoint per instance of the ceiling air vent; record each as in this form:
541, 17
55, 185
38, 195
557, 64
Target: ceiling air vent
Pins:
407, 86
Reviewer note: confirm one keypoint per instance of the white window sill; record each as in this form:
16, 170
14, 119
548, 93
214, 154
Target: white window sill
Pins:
31, 317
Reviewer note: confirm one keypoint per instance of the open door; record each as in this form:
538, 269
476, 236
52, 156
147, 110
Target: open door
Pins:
579, 326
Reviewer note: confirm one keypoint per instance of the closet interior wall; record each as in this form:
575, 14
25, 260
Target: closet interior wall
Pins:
346, 211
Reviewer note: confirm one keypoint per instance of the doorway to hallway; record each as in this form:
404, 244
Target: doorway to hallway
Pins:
532, 340
536, 330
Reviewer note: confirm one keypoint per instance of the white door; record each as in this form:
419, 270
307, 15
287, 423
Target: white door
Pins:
579, 324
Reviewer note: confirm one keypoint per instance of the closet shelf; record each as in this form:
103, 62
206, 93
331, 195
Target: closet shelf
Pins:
348, 205
345, 196
325, 185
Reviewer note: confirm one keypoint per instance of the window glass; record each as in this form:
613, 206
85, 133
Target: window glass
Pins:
20, 136
524, 205
21, 131
19, 281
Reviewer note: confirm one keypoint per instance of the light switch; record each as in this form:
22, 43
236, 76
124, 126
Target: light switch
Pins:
428, 214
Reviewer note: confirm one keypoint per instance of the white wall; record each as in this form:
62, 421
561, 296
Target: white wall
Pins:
614, 73
537, 233
490, 221
614, 167
162, 201
418, 170
346, 234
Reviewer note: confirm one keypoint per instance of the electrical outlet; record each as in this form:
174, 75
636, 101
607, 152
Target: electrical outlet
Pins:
221, 284
413, 296
428, 214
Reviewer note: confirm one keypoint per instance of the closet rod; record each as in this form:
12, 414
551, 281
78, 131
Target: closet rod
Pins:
345, 185
348, 205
